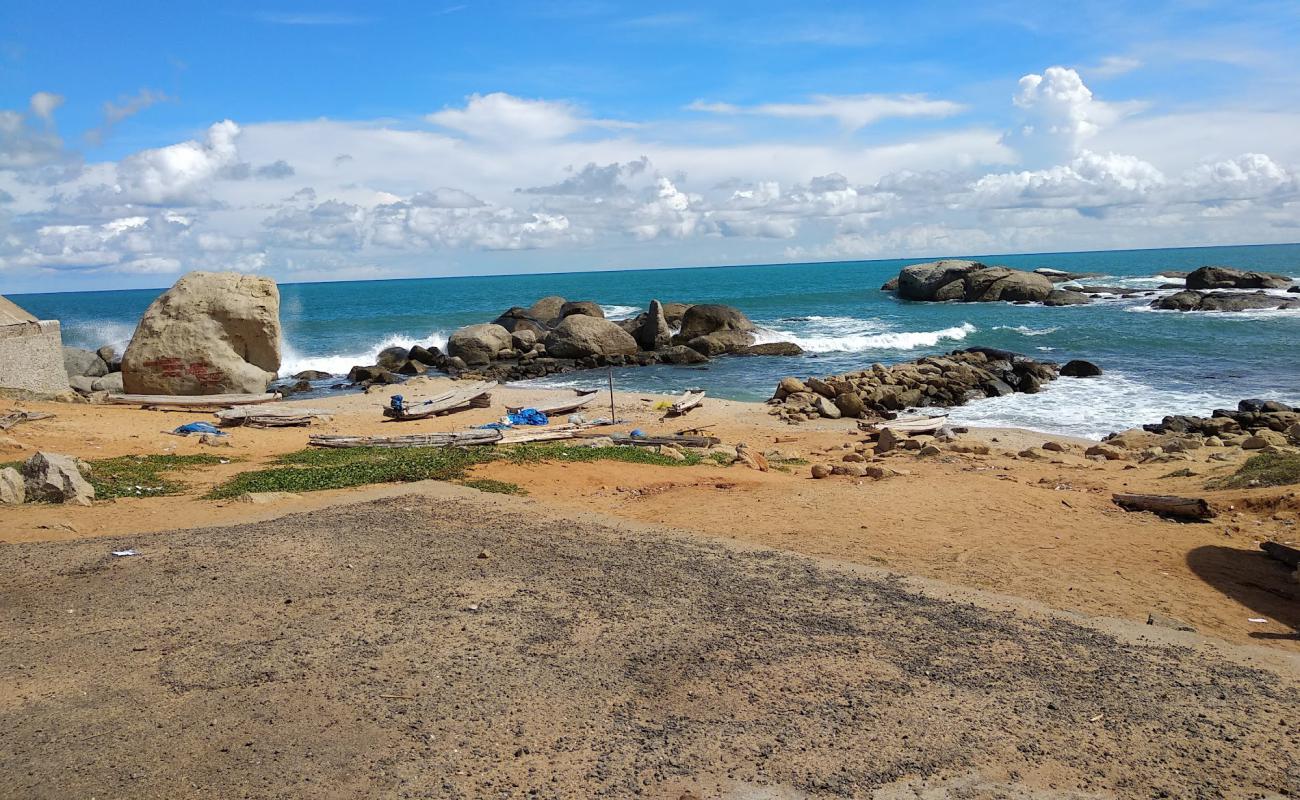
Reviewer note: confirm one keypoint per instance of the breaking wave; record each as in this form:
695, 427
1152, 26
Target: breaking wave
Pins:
293, 362
848, 335
1026, 330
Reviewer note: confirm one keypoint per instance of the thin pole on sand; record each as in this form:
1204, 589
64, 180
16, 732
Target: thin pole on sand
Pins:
612, 416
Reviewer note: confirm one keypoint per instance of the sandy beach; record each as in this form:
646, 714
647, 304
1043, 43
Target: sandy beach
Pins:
1044, 530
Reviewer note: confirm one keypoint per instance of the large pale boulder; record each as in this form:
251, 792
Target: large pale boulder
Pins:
12, 489
478, 344
547, 309
707, 318
78, 363
56, 478
211, 333
653, 332
579, 336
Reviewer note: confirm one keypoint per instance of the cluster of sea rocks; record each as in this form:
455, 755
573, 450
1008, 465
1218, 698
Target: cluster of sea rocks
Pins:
1256, 425
92, 373
974, 282
948, 380
1204, 291
555, 335
1253, 425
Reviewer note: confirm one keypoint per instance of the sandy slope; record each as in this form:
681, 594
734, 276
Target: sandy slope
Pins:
373, 651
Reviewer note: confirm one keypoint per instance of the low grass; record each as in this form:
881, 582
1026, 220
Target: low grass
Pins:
316, 469
144, 476
494, 487
1265, 469
551, 451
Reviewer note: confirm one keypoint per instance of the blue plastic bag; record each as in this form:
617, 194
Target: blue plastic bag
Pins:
199, 427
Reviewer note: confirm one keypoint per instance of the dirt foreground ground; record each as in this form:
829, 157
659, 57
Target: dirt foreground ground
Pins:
446, 644
701, 631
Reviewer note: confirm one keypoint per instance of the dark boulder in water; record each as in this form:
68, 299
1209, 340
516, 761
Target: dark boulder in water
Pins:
426, 356
312, 375
972, 282
1078, 368
773, 349
583, 307
1231, 278
1059, 297
704, 319
1223, 301
391, 357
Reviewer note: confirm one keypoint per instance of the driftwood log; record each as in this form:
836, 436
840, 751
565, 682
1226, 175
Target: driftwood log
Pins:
1287, 555
1166, 505
13, 418
654, 441
192, 402
454, 439
271, 416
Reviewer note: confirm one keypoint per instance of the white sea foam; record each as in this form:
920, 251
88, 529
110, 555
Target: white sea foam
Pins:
1090, 407
293, 362
848, 335
619, 312
1026, 330
93, 334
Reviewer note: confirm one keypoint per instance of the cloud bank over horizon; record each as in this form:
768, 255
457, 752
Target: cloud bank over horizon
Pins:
504, 183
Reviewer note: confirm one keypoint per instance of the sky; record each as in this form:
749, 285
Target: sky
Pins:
382, 140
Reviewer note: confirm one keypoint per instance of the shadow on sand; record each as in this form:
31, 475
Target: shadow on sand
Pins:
1253, 579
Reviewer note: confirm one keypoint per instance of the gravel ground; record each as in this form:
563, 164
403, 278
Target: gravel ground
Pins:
475, 648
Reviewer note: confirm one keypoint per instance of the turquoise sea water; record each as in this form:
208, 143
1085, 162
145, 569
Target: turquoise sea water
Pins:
1156, 362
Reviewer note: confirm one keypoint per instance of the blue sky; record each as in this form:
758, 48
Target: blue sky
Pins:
316, 142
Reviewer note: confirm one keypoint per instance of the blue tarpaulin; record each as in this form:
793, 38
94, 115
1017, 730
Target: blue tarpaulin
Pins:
199, 427
524, 416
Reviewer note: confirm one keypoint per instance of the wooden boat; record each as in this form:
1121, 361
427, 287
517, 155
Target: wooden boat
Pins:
910, 425
271, 416
192, 402
453, 439
475, 395
557, 409
691, 399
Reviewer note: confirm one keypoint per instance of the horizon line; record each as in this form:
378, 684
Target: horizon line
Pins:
921, 259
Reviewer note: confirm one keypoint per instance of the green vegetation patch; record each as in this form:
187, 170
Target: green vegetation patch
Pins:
144, 476
1265, 469
495, 487
315, 469
552, 451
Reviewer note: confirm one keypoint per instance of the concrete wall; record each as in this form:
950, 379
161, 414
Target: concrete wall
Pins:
31, 357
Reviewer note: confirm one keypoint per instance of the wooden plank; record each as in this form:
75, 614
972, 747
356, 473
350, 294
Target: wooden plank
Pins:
654, 441
1166, 505
193, 401
270, 416
454, 439
1287, 555
16, 417
556, 409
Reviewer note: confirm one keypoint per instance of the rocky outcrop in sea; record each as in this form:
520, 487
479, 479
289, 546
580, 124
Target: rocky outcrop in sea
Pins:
949, 380
555, 335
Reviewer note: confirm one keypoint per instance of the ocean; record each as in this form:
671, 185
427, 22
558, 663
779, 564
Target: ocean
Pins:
1155, 362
